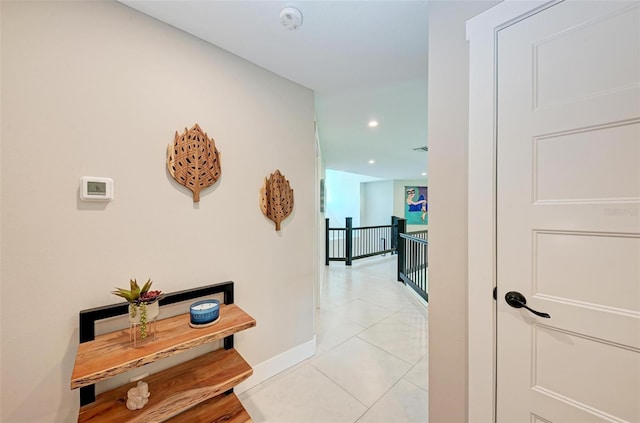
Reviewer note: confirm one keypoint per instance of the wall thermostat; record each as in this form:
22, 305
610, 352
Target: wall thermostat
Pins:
93, 188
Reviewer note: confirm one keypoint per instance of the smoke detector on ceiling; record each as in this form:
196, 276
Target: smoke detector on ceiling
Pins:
290, 18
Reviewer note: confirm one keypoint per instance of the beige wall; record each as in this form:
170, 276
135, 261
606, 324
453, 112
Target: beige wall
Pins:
1, 96
95, 88
448, 149
320, 227
376, 207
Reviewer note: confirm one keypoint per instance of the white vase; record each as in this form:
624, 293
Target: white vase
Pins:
153, 310
139, 330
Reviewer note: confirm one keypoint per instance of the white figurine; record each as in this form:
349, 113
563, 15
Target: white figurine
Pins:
138, 396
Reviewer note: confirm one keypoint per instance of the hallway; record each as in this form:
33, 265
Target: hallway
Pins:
371, 358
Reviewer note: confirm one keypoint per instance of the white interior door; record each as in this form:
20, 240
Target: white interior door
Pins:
568, 219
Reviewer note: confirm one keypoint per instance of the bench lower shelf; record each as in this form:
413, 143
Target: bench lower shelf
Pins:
175, 390
220, 409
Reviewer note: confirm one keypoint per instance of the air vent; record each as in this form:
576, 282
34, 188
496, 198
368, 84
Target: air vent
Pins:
425, 149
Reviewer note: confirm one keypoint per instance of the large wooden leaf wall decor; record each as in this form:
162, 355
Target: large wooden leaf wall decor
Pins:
276, 198
193, 160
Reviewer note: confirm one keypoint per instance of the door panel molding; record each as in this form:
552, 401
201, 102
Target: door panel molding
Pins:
482, 36
595, 202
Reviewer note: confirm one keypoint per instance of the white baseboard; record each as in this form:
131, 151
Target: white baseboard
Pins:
277, 364
417, 298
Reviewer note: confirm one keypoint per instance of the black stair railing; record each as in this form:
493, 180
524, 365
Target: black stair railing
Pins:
349, 243
413, 262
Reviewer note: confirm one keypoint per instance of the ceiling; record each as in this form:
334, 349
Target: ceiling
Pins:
364, 59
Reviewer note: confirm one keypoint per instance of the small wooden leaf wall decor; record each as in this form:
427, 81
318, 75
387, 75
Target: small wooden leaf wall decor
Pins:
194, 161
276, 198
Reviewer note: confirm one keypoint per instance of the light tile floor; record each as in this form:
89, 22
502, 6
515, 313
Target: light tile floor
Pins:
371, 359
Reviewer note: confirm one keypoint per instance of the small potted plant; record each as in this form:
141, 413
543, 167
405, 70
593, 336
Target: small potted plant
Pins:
143, 303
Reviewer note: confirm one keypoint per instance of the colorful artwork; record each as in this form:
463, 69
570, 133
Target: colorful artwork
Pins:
415, 210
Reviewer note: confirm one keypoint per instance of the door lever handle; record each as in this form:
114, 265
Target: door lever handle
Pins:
517, 300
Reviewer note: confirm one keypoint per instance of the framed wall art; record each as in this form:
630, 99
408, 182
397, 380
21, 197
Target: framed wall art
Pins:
415, 209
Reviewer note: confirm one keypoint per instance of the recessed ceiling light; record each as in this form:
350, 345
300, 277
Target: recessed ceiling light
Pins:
373, 123
424, 173
372, 161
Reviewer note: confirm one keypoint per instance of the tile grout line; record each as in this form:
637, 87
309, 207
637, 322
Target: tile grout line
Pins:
341, 388
367, 285
389, 352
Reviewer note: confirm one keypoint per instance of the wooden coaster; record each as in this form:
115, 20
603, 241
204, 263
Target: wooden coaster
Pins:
206, 325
